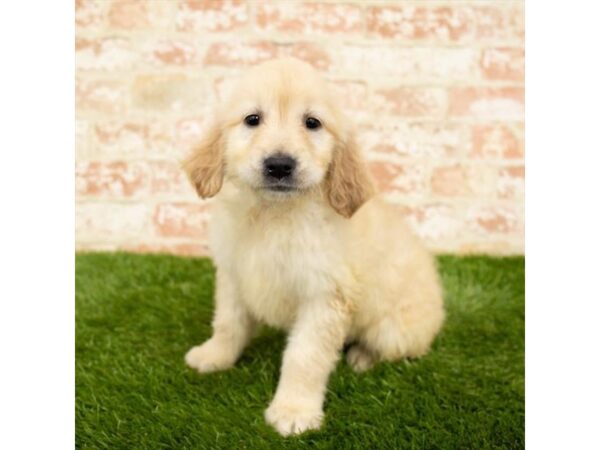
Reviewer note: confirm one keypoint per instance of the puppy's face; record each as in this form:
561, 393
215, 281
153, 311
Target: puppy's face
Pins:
281, 135
279, 138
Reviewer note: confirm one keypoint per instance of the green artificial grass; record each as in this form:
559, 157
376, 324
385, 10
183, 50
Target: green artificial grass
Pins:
136, 316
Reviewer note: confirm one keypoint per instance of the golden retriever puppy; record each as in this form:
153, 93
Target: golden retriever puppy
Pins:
302, 243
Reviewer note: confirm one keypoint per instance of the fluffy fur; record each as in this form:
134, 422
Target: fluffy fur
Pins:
328, 261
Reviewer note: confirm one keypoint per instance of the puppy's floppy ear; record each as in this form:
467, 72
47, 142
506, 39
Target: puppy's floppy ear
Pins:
348, 183
205, 167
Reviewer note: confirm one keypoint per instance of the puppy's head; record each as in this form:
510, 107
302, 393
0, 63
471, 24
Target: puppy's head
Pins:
281, 135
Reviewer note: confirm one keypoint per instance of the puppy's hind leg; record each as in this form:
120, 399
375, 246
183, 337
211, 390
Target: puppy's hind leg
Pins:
232, 330
406, 334
360, 358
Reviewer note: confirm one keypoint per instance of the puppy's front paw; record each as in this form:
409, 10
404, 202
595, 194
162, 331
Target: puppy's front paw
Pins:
292, 419
209, 357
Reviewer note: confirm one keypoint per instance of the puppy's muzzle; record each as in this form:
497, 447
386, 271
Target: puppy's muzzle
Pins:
278, 171
279, 167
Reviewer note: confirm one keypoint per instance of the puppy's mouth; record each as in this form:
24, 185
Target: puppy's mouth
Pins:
280, 188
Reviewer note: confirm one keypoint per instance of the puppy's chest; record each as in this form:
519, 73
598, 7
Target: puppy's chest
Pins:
281, 262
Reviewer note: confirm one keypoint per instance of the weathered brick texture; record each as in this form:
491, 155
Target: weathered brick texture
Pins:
436, 89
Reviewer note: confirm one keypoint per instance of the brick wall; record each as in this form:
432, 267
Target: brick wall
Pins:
436, 89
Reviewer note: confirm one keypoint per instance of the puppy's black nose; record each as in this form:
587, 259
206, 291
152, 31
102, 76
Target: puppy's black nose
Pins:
279, 166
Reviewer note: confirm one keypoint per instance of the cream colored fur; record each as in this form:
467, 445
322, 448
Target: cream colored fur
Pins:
330, 263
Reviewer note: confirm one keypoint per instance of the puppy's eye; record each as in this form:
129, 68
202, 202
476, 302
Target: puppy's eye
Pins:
252, 120
312, 123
